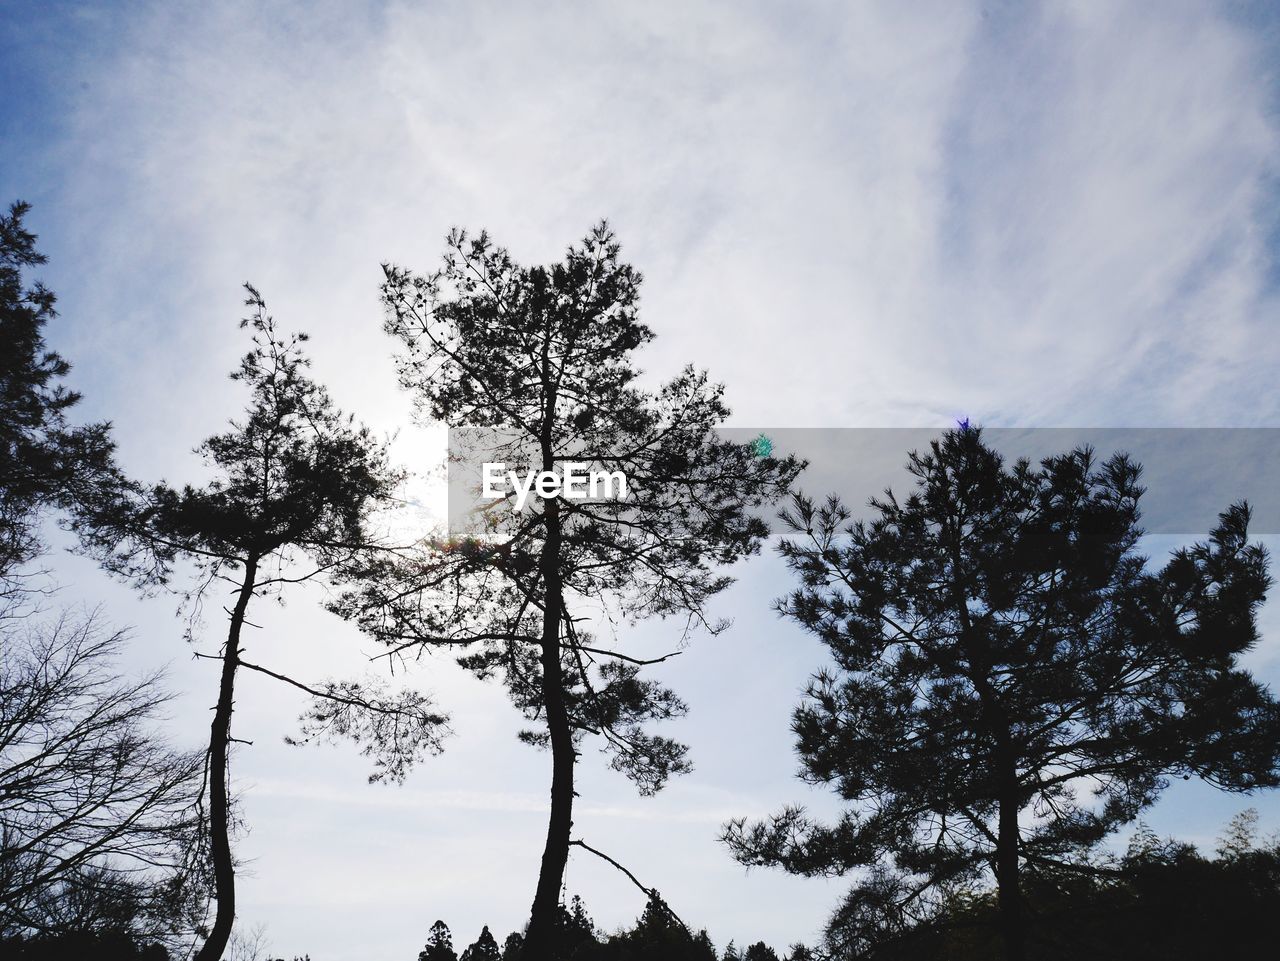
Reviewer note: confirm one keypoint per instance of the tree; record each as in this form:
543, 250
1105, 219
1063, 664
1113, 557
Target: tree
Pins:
1012, 682
96, 811
512, 945
1240, 835
760, 952
1161, 899
294, 483
45, 460
657, 921
701, 948
541, 359
578, 923
658, 935
439, 944
484, 948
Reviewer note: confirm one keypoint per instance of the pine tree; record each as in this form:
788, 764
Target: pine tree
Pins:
542, 359
293, 484
96, 813
45, 460
702, 949
656, 919
511, 946
577, 927
484, 948
1000, 647
439, 944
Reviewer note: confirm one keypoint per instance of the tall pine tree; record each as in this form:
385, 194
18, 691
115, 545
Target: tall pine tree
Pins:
293, 483
1012, 680
544, 358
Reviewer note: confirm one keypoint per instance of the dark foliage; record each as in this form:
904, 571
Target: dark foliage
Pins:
484, 948
439, 945
293, 485
45, 460
1012, 681
97, 813
81, 946
543, 359
658, 935
1162, 899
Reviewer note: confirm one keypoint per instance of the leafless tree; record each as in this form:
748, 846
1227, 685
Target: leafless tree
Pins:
95, 807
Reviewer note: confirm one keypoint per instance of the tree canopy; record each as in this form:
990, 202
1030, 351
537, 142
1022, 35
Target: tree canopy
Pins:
46, 461
483, 948
1012, 679
97, 811
541, 360
439, 945
294, 483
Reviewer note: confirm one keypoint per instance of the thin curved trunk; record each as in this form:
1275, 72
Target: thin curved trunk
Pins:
542, 919
224, 874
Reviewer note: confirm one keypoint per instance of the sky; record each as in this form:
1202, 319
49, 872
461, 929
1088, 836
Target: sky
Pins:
1058, 214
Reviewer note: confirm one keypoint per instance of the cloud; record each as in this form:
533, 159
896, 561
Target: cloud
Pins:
854, 214
1035, 214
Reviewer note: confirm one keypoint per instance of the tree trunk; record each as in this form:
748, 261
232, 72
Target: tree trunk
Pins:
224, 874
1012, 919
542, 919
1012, 922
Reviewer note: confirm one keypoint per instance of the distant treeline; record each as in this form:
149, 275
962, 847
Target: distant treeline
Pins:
1161, 899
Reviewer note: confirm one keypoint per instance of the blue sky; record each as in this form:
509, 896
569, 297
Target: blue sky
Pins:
1032, 214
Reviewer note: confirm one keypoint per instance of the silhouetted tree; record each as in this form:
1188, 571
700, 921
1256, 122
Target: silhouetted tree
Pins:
484, 948
1161, 899
512, 945
1240, 835
294, 482
578, 923
439, 944
701, 948
542, 358
45, 461
1000, 646
658, 935
97, 813
760, 952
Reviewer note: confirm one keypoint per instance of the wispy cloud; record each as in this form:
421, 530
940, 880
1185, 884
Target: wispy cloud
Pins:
854, 214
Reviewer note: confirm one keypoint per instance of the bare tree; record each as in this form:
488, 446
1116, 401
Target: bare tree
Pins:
97, 814
93, 803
